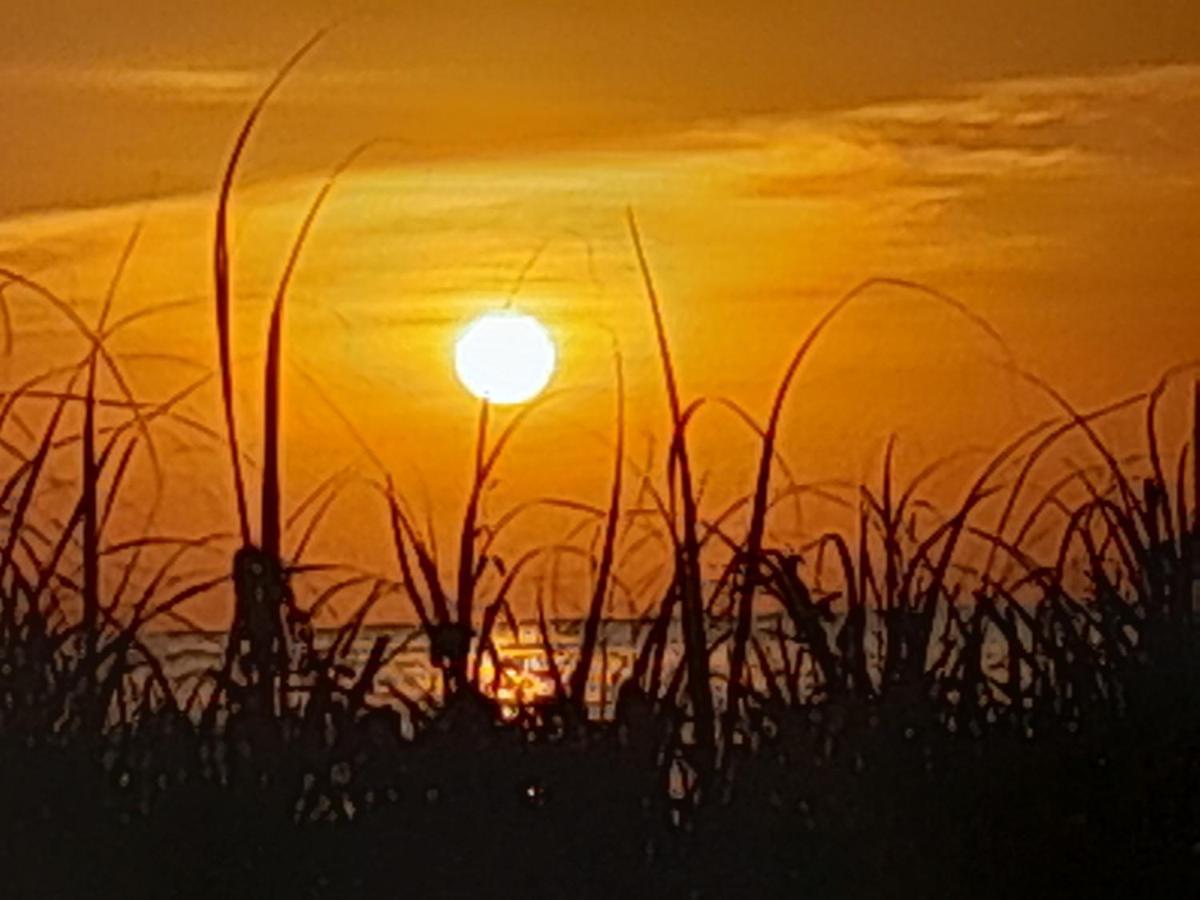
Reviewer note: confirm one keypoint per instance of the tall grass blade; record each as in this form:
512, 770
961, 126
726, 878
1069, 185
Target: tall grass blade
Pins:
591, 628
270, 511
688, 563
221, 274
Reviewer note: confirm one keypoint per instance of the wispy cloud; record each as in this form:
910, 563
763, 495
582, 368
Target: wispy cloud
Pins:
983, 137
176, 84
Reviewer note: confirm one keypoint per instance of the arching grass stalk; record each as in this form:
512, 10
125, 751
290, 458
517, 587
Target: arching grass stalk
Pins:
595, 613
687, 583
221, 276
745, 589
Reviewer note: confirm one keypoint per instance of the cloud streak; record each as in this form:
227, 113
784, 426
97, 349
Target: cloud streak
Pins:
185, 85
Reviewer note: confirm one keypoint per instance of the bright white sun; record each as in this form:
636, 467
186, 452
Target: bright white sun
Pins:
504, 357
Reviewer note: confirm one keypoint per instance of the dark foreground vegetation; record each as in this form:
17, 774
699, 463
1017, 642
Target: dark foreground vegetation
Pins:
996, 700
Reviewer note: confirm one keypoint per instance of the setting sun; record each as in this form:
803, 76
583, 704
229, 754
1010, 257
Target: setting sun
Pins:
504, 357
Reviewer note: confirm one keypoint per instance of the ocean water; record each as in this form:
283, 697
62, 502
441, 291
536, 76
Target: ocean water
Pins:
523, 672
189, 658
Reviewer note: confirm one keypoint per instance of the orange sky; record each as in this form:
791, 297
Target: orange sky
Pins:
1038, 163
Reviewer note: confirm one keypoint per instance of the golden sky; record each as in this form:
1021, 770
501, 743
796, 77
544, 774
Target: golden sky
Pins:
1037, 160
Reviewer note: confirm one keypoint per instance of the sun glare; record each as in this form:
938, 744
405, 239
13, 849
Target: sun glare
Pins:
504, 357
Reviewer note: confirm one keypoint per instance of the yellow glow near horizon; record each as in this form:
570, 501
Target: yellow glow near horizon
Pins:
504, 357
